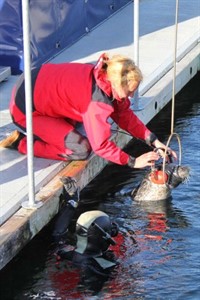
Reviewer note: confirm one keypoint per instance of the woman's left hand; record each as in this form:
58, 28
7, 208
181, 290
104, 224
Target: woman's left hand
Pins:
162, 149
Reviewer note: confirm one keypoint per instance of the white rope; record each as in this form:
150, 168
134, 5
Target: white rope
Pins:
174, 73
173, 134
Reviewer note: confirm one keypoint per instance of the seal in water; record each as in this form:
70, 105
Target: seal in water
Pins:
158, 183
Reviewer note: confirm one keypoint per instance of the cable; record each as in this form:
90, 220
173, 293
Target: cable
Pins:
173, 94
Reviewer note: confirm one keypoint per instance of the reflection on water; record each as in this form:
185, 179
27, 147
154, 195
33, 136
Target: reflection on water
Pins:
158, 244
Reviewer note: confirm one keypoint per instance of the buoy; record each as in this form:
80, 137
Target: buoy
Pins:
158, 177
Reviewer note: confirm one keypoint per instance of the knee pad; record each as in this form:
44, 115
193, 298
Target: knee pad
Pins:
78, 144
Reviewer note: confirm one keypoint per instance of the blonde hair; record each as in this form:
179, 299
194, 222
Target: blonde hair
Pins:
122, 71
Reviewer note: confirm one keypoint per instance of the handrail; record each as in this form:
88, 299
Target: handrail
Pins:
28, 95
136, 44
28, 92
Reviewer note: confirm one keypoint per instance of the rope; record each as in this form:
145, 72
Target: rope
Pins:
174, 73
173, 96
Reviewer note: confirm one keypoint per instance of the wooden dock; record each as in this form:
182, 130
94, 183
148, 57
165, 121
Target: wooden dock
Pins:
115, 35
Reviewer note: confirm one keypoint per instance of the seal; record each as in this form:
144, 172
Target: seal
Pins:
159, 182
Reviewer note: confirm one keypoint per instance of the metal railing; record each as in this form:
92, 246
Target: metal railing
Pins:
28, 92
136, 45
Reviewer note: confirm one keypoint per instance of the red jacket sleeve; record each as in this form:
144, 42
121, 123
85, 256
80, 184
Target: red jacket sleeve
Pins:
127, 120
98, 130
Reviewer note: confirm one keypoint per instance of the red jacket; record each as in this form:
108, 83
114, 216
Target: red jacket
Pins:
80, 92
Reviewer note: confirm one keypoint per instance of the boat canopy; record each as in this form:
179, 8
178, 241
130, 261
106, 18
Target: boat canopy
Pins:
54, 26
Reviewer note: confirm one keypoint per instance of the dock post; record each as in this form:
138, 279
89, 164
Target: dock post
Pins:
136, 46
28, 94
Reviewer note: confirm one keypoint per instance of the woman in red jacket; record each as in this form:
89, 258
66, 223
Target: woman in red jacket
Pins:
65, 95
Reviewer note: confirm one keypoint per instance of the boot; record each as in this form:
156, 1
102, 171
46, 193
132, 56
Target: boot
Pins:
12, 141
67, 212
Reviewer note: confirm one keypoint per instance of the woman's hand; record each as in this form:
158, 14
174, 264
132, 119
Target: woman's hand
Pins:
162, 148
147, 159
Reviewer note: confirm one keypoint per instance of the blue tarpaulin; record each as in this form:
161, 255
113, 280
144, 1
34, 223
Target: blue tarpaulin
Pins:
54, 25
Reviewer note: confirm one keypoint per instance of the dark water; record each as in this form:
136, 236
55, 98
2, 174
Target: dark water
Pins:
158, 246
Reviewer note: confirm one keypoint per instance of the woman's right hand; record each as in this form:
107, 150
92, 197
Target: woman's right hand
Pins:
147, 159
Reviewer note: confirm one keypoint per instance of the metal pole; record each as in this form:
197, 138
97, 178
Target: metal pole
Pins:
28, 92
136, 45
136, 32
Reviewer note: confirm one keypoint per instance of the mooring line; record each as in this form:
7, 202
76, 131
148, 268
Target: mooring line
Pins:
173, 95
